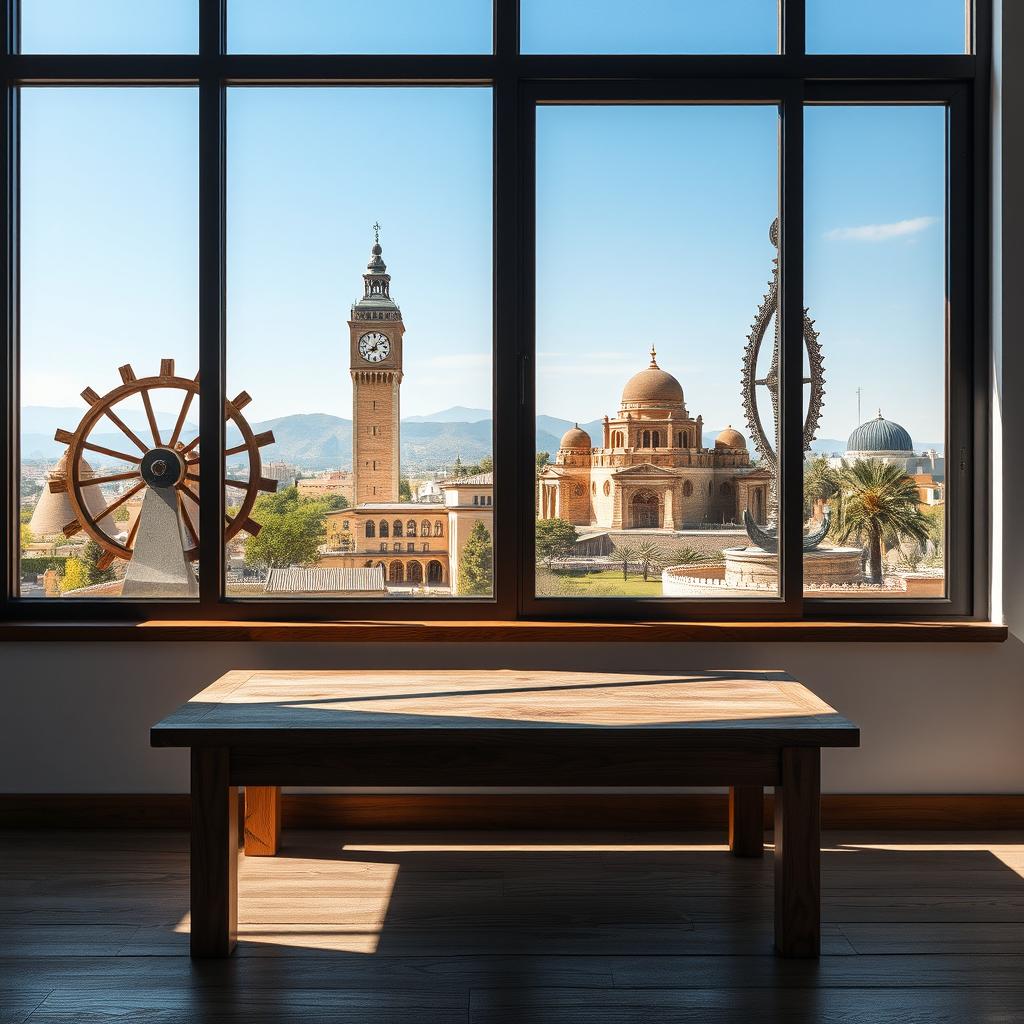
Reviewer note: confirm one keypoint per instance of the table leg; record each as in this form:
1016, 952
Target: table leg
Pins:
214, 867
262, 820
798, 853
746, 821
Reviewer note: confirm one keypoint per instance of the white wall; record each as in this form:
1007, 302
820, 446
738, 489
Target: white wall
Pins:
934, 717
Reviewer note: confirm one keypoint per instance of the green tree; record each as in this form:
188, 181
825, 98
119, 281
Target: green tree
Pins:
336, 502
877, 502
404, 489
476, 563
75, 576
555, 539
821, 482
543, 458
25, 534
293, 530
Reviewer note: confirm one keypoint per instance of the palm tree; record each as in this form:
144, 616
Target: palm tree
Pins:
651, 557
877, 502
625, 553
821, 482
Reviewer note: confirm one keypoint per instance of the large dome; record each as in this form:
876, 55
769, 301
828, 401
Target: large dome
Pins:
880, 435
652, 385
576, 438
730, 438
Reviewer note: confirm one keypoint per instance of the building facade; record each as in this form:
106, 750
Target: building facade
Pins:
652, 470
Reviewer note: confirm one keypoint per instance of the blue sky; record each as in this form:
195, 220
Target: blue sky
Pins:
652, 226
464, 26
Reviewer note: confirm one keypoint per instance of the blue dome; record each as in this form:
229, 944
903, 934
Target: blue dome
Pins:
880, 435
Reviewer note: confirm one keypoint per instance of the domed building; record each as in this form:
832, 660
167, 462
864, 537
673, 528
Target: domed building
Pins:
53, 511
652, 470
880, 439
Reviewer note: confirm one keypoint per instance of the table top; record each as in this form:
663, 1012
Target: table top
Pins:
264, 707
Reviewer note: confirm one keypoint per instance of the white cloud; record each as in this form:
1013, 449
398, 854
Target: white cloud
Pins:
882, 232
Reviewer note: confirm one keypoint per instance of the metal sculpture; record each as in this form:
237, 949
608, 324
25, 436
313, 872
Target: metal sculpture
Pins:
164, 463
767, 539
768, 449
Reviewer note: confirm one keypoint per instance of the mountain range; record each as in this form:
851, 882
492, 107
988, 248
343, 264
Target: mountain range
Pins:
316, 441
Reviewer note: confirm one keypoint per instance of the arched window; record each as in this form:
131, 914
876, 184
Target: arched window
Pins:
410, 528
425, 529
414, 572
711, 489
646, 443
687, 489
396, 528
371, 529
396, 574
438, 528
383, 527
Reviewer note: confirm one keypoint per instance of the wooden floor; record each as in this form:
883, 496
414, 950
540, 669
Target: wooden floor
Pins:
486, 927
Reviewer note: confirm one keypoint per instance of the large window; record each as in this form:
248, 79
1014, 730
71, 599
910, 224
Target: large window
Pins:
501, 310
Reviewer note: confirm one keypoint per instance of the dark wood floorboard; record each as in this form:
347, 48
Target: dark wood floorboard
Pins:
500, 927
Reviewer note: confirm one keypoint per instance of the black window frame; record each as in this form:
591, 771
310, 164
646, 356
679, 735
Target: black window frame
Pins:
789, 80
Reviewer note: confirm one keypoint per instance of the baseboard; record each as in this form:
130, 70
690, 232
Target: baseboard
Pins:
516, 811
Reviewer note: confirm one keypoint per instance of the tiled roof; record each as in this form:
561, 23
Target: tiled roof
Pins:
485, 479
324, 580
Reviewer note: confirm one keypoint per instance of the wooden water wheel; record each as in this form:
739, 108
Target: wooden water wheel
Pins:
162, 462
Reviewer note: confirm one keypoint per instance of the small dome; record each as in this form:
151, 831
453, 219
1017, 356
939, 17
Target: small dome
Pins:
880, 435
730, 438
576, 438
653, 385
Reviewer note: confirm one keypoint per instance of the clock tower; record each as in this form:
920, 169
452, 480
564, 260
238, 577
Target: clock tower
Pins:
375, 362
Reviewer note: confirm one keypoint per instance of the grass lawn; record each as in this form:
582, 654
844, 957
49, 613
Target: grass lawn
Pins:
606, 583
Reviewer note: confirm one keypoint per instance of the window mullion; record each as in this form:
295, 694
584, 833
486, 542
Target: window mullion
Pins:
792, 27
791, 312
211, 303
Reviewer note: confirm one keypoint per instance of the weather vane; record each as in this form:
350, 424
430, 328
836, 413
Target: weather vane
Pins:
376, 232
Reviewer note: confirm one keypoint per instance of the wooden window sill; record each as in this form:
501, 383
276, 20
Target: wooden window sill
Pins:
520, 631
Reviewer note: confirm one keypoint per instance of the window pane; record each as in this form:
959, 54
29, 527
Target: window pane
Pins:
649, 26
109, 26
875, 284
886, 26
108, 280
368, 362
653, 250
348, 26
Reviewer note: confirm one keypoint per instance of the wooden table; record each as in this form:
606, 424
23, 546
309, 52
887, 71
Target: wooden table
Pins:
745, 730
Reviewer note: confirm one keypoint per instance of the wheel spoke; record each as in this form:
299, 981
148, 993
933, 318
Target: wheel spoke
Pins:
151, 416
185, 489
180, 423
126, 430
119, 501
190, 445
94, 480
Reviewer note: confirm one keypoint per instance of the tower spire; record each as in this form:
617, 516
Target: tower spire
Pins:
654, 358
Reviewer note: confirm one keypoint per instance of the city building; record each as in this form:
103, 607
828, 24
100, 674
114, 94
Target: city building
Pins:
652, 470
327, 485
415, 543
888, 441
283, 472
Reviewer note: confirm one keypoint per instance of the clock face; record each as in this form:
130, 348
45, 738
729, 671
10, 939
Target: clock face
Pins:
374, 346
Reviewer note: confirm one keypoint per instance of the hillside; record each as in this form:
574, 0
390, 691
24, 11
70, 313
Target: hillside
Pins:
315, 441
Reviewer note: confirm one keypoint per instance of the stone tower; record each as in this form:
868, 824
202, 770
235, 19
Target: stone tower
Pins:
375, 362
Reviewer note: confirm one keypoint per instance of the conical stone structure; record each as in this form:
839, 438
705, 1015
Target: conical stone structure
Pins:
53, 511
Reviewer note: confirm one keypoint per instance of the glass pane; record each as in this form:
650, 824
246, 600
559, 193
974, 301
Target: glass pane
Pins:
351, 26
649, 26
366, 349
109, 26
886, 26
875, 284
109, 274
653, 249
